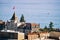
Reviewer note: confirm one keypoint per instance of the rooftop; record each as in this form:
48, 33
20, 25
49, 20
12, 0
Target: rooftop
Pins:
10, 31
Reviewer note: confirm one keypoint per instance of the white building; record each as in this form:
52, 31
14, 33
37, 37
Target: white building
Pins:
13, 23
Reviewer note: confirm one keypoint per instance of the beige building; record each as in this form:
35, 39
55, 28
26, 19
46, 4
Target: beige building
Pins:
11, 35
44, 35
55, 35
32, 36
35, 27
38, 35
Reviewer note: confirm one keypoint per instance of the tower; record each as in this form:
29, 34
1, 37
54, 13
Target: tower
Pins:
14, 18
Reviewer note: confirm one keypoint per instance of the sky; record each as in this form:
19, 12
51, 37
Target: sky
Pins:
34, 11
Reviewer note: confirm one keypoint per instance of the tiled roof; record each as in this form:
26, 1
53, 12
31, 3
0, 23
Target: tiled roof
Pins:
34, 24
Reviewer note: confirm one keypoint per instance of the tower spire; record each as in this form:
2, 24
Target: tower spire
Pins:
13, 17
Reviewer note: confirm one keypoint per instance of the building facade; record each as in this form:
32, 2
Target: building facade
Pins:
29, 27
32, 36
2, 24
13, 23
11, 35
22, 26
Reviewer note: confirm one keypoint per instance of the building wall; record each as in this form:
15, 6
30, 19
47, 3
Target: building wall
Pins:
44, 35
28, 27
11, 25
35, 30
11, 36
35, 27
2, 25
20, 36
8, 35
32, 36
36, 39
55, 34
11, 39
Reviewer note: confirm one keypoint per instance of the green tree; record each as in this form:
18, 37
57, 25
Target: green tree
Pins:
51, 26
45, 28
22, 18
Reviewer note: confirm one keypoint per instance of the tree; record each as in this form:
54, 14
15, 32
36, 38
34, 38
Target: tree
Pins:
51, 26
45, 28
22, 18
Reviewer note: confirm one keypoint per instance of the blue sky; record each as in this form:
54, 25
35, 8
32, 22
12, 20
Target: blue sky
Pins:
35, 11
